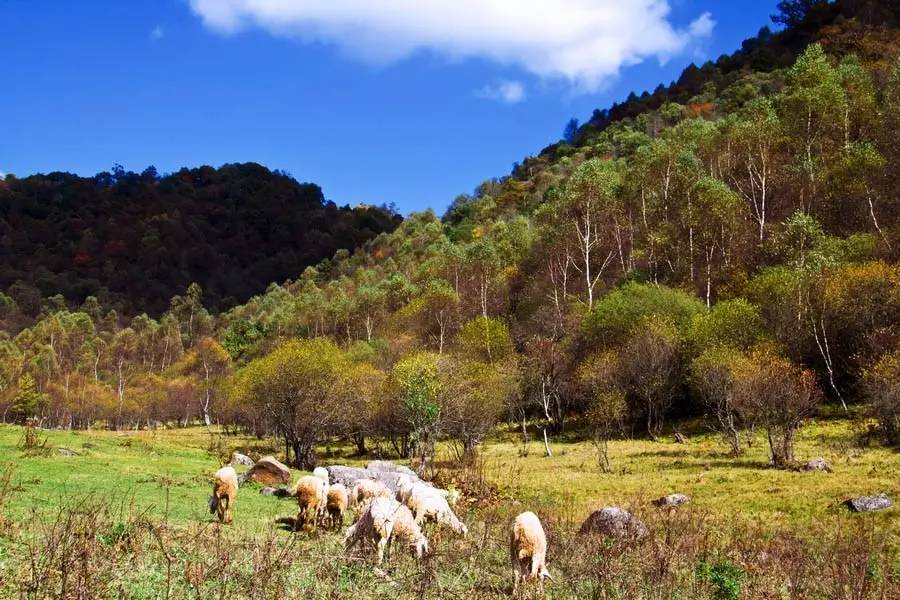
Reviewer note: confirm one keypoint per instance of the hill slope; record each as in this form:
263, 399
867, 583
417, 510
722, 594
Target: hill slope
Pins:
135, 240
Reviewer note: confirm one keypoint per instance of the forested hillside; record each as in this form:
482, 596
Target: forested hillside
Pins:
727, 250
135, 240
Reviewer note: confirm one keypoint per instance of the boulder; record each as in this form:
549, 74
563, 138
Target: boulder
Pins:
869, 503
66, 451
671, 501
348, 476
267, 491
280, 492
268, 471
613, 522
378, 466
817, 464
241, 459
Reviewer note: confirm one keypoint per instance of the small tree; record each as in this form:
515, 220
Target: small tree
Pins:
882, 386
415, 381
649, 364
778, 395
295, 392
713, 377
606, 402
28, 401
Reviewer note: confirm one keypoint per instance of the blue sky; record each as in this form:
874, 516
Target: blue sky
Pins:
371, 99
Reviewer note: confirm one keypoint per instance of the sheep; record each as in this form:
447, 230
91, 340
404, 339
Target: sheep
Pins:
528, 551
427, 503
383, 521
309, 492
365, 490
407, 486
321, 473
224, 492
336, 504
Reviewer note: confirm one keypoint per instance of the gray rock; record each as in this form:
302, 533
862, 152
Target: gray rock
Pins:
241, 459
613, 522
268, 471
869, 503
379, 466
671, 501
267, 491
817, 464
348, 476
66, 451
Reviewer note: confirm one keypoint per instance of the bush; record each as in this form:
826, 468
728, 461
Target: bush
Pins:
882, 387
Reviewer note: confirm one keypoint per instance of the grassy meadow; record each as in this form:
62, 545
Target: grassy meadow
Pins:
126, 516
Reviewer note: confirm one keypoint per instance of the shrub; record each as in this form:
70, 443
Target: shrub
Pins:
882, 387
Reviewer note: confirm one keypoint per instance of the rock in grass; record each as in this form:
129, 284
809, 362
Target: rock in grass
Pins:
267, 491
869, 503
348, 476
613, 522
268, 471
378, 466
241, 459
671, 501
66, 451
817, 464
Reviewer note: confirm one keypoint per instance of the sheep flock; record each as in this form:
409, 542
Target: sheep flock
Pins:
391, 508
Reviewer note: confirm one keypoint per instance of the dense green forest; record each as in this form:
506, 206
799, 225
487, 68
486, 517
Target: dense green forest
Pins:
134, 240
725, 247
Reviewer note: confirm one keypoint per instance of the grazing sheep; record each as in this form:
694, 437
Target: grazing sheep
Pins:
321, 473
336, 504
365, 491
310, 492
382, 522
528, 551
407, 486
427, 503
224, 492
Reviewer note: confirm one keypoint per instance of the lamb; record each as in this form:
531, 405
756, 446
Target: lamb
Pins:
528, 551
336, 504
427, 503
322, 473
383, 521
224, 492
310, 492
365, 491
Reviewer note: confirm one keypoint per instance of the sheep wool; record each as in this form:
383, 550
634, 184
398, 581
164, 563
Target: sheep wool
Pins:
365, 491
427, 503
310, 492
528, 551
336, 504
385, 521
224, 494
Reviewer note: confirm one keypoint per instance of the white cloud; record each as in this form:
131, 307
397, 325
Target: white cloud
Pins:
157, 33
584, 42
508, 92
702, 26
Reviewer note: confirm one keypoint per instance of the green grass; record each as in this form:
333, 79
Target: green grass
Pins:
169, 473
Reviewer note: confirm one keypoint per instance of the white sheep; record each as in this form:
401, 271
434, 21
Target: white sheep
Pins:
528, 551
365, 491
383, 522
224, 493
407, 486
426, 503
